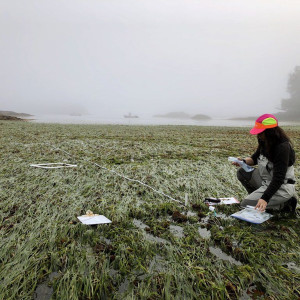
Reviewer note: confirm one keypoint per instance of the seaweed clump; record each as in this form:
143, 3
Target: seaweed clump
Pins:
178, 217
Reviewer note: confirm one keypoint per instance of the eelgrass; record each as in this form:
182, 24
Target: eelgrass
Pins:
40, 233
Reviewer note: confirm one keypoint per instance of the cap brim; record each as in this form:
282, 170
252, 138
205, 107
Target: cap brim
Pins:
256, 130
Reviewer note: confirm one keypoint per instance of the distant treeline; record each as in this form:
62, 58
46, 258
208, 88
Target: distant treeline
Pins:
291, 105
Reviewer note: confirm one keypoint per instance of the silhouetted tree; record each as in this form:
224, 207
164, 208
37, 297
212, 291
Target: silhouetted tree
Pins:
291, 106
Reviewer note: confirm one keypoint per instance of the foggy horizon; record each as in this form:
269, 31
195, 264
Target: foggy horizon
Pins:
112, 57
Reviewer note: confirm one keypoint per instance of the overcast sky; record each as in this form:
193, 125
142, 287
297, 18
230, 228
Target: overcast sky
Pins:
218, 57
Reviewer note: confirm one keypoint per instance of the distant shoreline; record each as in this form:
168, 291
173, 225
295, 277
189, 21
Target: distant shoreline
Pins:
6, 115
100, 120
14, 114
183, 116
242, 119
280, 119
10, 118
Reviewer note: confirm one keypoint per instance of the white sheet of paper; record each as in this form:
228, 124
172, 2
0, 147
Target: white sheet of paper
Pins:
93, 220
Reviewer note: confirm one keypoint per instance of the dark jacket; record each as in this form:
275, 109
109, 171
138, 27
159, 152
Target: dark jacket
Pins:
283, 156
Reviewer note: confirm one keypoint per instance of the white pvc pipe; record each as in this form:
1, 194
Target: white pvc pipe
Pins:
53, 165
118, 174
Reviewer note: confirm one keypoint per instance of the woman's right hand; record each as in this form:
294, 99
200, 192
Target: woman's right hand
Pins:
235, 163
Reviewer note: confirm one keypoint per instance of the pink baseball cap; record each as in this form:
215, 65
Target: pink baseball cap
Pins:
264, 122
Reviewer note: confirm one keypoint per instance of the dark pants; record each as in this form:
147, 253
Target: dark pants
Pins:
252, 182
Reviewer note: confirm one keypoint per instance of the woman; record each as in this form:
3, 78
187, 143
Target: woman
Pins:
272, 184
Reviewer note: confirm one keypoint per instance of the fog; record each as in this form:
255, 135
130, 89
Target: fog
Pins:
222, 58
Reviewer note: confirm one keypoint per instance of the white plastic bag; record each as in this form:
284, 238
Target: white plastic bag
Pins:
252, 215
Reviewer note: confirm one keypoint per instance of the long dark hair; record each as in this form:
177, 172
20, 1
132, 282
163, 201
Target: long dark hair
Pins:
273, 137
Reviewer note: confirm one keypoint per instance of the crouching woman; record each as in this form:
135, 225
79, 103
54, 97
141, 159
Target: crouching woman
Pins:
272, 184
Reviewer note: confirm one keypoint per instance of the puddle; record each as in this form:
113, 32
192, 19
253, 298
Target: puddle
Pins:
158, 264
139, 224
177, 231
123, 286
165, 219
292, 266
105, 240
140, 275
204, 233
205, 220
221, 255
253, 292
245, 296
235, 243
43, 292
53, 275
222, 216
156, 239
148, 236
112, 273
191, 214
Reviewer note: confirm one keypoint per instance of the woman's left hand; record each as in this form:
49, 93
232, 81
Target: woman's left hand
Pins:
261, 205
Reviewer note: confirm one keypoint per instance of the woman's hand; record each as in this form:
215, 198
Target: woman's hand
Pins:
261, 205
248, 160
235, 163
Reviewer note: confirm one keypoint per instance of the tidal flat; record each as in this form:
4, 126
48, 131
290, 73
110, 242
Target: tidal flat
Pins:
153, 248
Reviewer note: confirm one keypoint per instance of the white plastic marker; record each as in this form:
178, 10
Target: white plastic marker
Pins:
212, 208
241, 163
53, 165
186, 202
